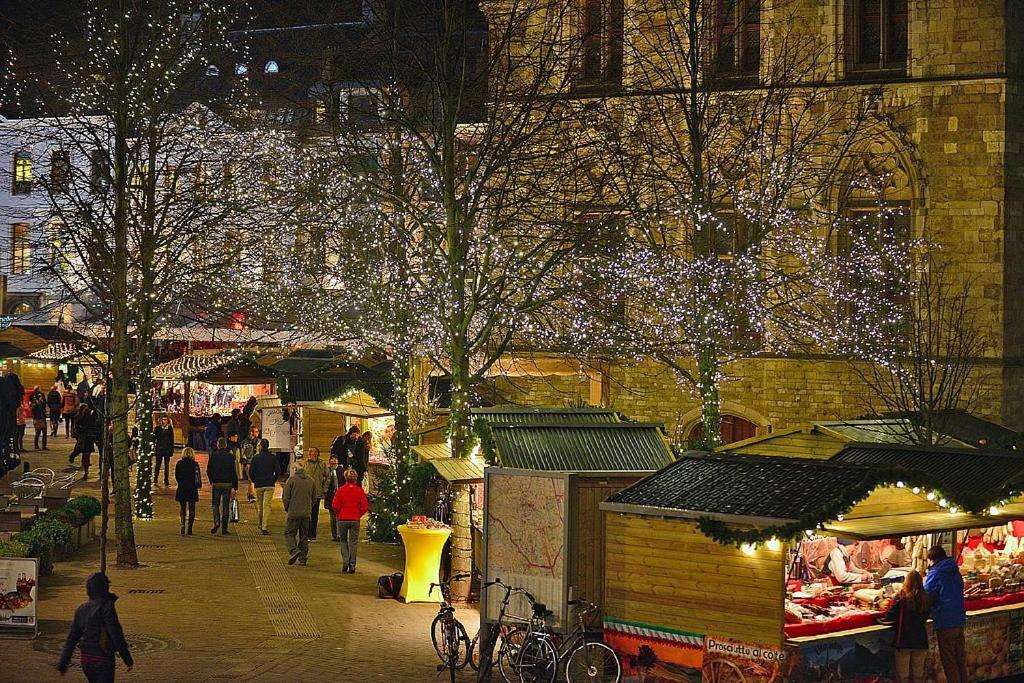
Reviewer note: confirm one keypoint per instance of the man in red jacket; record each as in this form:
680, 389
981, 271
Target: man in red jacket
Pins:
349, 505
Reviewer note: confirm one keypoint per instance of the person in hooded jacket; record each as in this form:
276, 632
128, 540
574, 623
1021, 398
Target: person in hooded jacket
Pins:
945, 587
189, 479
97, 633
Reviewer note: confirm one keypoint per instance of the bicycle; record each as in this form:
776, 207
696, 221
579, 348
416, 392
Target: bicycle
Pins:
511, 631
448, 635
542, 653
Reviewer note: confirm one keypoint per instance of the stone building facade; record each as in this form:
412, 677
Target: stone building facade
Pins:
957, 132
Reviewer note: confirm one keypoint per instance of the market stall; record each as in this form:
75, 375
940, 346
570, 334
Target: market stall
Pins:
196, 386
779, 568
542, 527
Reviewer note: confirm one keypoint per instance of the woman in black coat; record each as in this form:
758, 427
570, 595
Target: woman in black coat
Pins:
189, 480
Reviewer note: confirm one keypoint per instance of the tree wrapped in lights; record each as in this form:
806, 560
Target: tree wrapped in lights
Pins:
438, 226
724, 194
138, 215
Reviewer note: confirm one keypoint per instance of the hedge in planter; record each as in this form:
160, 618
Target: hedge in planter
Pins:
88, 506
13, 548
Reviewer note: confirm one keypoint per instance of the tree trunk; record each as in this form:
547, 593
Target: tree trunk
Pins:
104, 512
144, 423
459, 433
400, 404
711, 414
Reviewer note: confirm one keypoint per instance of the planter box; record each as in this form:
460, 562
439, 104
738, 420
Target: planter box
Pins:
81, 535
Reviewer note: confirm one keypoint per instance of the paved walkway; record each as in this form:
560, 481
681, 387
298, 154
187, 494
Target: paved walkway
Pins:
229, 608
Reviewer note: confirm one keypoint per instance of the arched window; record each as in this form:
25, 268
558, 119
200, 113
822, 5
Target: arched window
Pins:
212, 70
734, 428
271, 67
23, 308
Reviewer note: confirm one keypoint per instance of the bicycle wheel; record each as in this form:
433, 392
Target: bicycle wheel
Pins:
474, 652
593, 662
437, 637
537, 661
507, 653
460, 645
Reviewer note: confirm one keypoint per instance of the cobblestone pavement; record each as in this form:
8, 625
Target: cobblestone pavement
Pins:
229, 608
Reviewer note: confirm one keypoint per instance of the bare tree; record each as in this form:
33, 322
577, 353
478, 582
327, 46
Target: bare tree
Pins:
921, 361
721, 161
138, 194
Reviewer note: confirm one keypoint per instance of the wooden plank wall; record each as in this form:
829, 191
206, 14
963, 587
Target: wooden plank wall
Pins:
666, 573
588, 534
885, 500
797, 445
320, 428
32, 374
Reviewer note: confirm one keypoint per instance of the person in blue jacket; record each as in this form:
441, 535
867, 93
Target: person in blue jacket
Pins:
945, 587
214, 430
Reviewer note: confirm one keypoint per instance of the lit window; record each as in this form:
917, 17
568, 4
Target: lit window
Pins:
271, 67
877, 39
212, 70
21, 248
22, 174
60, 171
241, 69
362, 110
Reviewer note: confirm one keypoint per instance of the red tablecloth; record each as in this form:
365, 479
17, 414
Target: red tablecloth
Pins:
843, 623
973, 604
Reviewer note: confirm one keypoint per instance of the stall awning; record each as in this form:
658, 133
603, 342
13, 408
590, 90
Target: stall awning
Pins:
62, 352
459, 470
893, 526
432, 451
226, 367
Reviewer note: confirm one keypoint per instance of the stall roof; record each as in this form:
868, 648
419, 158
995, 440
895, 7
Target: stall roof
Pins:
974, 476
432, 451
8, 350
226, 367
617, 446
524, 416
911, 524
776, 488
459, 470
59, 352
967, 428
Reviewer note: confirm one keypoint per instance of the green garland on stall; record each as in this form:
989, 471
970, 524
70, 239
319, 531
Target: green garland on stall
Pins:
727, 534
488, 446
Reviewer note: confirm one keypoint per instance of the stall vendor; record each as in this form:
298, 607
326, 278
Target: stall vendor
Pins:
894, 555
842, 568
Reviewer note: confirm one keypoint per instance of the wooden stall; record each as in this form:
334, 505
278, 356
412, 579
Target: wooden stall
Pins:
542, 525
708, 561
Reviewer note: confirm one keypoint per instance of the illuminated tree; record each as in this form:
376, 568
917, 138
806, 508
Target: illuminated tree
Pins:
137, 217
720, 167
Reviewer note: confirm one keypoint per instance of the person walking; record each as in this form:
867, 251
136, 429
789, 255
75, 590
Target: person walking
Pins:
316, 469
342, 447
945, 587
96, 632
69, 404
335, 478
163, 446
297, 497
189, 479
264, 472
908, 615
83, 390
223, 478
250, 447
349, 505
54, 402
88, 429
37, 407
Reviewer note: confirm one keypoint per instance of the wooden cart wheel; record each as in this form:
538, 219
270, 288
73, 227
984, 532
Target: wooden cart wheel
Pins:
722, 671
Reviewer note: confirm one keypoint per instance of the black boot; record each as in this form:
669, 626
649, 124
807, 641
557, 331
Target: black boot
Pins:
190, 527
182, 528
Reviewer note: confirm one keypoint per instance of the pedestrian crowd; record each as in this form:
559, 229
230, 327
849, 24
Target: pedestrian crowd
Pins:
79, 410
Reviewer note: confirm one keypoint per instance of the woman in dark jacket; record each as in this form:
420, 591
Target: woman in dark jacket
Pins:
908, 615
97, 632
359, 459
189, 479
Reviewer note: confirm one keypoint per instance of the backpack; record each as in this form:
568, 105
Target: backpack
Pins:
389, 585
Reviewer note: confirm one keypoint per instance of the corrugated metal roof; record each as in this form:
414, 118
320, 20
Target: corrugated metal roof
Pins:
523, 416
749, 486
619, 446
969, 472
891, 430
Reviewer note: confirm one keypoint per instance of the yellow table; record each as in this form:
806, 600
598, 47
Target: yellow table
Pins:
422, 562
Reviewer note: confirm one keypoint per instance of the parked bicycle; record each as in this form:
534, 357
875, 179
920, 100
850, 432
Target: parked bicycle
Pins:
510, 630
451, 642
543, 653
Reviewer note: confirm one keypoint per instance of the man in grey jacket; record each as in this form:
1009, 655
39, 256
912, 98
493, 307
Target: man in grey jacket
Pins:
298, 497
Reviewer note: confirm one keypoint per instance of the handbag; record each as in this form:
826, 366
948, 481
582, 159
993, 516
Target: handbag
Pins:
199, 478
234, 510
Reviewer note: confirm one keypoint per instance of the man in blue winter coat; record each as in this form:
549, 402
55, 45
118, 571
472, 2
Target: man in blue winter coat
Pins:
945, 586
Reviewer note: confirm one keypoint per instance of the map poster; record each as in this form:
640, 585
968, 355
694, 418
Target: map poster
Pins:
276, 429
18, 577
